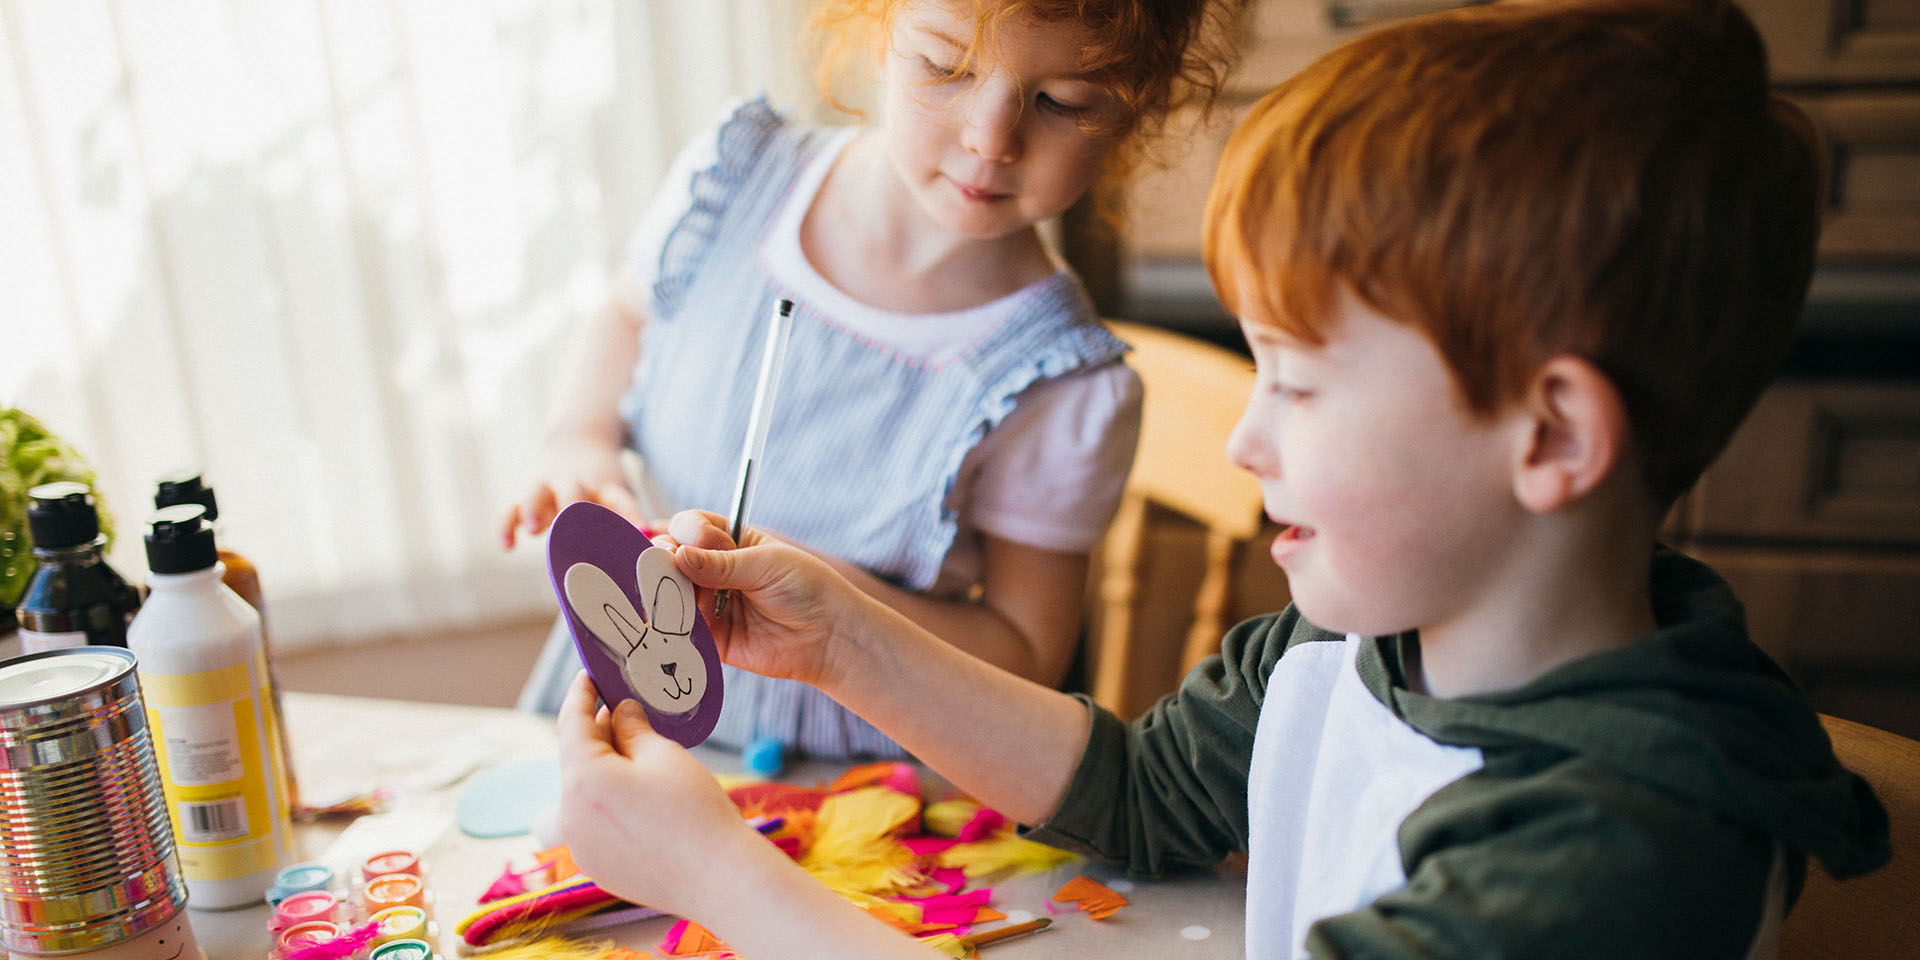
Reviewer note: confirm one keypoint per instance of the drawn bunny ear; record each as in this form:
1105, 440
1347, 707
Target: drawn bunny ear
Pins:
605, 609
665, 593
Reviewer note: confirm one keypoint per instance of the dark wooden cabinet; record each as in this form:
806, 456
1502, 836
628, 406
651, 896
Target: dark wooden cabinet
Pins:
1813, 515
1854, 65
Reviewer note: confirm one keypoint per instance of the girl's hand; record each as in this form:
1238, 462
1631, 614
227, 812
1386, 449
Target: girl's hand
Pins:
788, 606
576, 469
643, 818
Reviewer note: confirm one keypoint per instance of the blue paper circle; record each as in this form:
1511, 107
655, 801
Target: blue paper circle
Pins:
502, 801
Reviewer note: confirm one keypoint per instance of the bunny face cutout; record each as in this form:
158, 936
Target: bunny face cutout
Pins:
655, 646
633, 620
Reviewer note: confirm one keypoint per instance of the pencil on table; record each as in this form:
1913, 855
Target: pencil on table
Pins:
1002, 933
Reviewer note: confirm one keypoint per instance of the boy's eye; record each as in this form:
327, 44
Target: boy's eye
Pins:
1285, 391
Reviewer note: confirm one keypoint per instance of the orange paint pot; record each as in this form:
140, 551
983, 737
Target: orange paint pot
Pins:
395, 890
393, 861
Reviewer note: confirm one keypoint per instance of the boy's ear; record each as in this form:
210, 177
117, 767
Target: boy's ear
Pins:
1576, 434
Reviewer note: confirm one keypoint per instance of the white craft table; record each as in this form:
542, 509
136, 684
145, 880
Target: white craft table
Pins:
431, 750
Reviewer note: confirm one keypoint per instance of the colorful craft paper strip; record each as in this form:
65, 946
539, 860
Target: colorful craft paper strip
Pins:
1092, 896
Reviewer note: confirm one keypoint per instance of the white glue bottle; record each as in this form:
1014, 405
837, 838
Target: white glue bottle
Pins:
203, 675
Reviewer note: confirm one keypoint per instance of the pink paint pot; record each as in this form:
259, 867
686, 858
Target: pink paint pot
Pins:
308, 934
304, 907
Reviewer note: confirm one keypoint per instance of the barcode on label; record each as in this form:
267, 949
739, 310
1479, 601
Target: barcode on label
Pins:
215, 821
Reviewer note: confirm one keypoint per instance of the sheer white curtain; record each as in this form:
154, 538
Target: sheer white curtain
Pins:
330, 252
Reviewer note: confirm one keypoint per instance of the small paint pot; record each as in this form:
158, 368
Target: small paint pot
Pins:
400, 923
308, 934
403, 950
299, 878
393, 861
303, 907
394, 890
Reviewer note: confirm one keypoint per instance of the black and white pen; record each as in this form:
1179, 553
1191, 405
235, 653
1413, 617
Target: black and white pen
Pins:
753, 452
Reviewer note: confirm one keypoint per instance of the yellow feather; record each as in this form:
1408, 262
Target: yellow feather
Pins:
944, 818
950, 945
854, 847
1004, 851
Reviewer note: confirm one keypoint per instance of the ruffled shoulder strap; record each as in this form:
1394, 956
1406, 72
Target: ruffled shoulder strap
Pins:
741, 143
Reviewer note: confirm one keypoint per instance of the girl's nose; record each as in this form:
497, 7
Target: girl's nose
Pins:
992, 128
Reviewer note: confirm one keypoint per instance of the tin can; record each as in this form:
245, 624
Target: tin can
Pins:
87, 859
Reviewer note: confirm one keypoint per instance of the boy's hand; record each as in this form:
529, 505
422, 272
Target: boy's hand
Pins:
643, 818
788, 607
575, 470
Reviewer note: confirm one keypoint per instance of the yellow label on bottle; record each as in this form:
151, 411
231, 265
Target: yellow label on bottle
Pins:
208, 740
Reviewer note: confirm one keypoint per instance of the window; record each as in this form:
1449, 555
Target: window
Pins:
331, 253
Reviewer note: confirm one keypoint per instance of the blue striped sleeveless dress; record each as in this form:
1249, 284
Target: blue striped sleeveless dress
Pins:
864, 445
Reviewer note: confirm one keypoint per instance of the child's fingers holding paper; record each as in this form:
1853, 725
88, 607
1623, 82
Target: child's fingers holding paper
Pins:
582, 727
702, 528
639, 812
789, 598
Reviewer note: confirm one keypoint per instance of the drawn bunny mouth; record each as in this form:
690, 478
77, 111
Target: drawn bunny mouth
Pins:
675, 691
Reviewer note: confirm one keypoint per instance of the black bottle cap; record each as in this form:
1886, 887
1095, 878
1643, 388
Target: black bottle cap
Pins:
62, 515
180, 540
186, 488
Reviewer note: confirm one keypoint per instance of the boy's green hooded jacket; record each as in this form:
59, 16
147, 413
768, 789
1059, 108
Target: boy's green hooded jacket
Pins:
1626, 804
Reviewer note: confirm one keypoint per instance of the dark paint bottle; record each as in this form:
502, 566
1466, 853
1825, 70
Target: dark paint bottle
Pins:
74, 598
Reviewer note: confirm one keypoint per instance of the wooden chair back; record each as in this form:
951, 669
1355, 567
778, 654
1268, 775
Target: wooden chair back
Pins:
1875, 917
1195, 391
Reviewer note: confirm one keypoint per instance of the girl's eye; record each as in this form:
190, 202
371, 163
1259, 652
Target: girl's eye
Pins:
938, 72
1052, 105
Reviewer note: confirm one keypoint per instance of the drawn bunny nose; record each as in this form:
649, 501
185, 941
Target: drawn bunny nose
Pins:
668, 668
